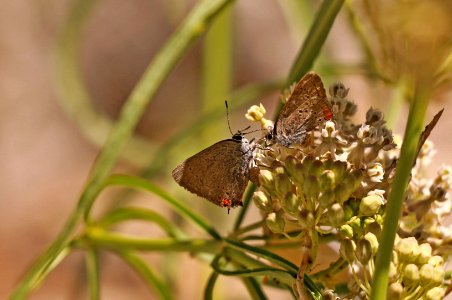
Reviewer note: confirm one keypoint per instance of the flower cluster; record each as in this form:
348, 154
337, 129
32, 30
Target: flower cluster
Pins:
428, 203
337, 185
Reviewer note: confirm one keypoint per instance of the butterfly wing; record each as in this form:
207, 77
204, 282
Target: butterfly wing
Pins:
217, 173
305, 109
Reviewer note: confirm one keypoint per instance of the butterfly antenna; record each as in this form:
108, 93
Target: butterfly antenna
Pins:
227, 115
243, 131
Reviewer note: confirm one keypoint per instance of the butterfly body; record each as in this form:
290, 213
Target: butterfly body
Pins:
218, 173
306, 108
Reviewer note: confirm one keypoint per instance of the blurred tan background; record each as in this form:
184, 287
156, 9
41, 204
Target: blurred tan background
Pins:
45, 158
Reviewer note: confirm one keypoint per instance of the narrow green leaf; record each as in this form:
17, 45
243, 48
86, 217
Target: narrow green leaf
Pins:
147, 274
135, 213
282, 275
289, 266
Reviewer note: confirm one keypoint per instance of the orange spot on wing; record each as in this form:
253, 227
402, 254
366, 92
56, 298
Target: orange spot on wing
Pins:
327, 113
226, 202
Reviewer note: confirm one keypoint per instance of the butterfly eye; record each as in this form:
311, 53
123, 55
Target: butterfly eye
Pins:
269, 136
237, 137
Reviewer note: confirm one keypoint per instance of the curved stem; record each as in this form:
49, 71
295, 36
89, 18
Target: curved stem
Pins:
138, 183
133, 213
208, 291
146, 273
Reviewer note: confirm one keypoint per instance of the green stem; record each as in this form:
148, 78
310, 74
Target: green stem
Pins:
253, 288
418, 108
393, 113
117, 242
248, 228
246, 204
208, 291
192, 28
315, 39
93, 274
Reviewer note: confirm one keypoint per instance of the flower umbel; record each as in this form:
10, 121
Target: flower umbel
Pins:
335, 186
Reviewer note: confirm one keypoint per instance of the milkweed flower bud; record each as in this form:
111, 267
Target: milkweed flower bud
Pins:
426, 274
436, 261
307, 164
395, 291
275, 222
341, 193
262, 201
363, 251
370, 205
311, 187
438, 275
335, 214
425, 253
291, 204
339, 168
346, 231
306, 219
408, 249
373, 241
327, 180
326, 199
266, 179
374, 228
411, 275
282, 185
436, 293
290, 163
347, 250
355, 223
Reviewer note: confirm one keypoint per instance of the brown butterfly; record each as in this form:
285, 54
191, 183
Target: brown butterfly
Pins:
218, 173
306, 108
